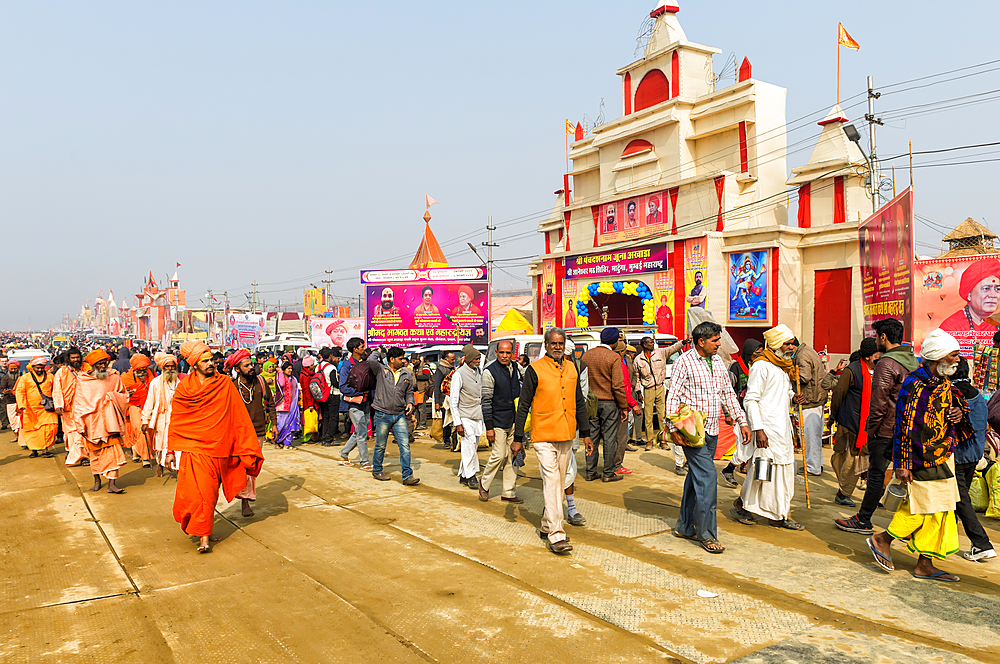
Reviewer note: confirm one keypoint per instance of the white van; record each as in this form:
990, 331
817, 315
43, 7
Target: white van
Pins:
532, 345
283, 343
25, 355
588, 337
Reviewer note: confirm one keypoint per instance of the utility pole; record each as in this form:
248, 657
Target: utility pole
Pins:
326, 283
211, 315
361, 309
253, 300
489, 244
872, 121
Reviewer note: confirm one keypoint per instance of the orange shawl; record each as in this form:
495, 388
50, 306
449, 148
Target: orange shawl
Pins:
138, 390
207, 417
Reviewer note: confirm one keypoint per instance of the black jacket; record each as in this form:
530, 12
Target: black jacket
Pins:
500, 387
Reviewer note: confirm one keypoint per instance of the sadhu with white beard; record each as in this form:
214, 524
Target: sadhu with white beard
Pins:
99, 408
769, 394
931, 416
156, 410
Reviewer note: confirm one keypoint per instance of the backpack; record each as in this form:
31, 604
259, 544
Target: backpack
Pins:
319, 388
446, 384
360, 378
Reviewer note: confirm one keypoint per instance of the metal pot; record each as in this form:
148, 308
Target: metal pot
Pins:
763, 468
895, 494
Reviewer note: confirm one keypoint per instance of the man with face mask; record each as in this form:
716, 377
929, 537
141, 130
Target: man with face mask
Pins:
63, 393
896, 361
99, 409
156, 410
38, 425
931, 415
256, 395
767, 404
210, 425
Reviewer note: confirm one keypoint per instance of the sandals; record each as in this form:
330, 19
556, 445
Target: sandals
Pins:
344, 461
743, 516
705, 544
681, 535
366, 467
788, 524
940, 575
883, 561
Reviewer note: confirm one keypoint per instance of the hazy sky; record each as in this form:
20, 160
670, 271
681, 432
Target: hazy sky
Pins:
271, 141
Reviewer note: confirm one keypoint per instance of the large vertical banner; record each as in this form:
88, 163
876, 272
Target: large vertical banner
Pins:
695, 273
885, 241
245, 330
749, 294
569, 292
960, 295
549, 304
315, 301
663, 296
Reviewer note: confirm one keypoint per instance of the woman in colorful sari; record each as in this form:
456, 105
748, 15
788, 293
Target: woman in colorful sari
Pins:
287, 405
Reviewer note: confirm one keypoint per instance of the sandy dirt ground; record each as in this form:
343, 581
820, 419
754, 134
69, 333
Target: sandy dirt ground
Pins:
338, 567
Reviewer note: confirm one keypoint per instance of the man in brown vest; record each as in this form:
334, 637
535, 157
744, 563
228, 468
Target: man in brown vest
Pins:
551, 393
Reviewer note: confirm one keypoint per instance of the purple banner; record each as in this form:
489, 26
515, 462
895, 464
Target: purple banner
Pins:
620, 263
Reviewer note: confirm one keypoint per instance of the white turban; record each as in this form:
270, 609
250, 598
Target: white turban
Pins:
570, 346
938, 344
776, 336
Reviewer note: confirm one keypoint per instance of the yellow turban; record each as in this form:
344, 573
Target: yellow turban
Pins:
776, 336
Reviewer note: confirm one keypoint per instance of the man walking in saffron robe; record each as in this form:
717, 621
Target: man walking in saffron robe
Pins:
63, 393
99, 410
136, 381
211, 426
38, 426
156, 411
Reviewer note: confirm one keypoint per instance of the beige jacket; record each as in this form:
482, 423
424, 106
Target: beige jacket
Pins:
653, 371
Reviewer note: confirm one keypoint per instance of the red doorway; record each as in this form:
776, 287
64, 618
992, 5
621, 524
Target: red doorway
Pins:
832, 318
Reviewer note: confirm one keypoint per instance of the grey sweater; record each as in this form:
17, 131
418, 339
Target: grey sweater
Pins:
390, 396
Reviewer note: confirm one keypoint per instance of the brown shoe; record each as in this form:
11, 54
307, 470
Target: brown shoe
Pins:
381, 477
484, 495
515, 500
560, 547
411, 481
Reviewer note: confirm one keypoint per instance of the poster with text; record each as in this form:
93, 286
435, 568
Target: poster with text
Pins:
663, 296
748, 287
636, 217
885, 242
245, 330
332, 332
407, 314
960, 295
569, 293
695, 273
549, 304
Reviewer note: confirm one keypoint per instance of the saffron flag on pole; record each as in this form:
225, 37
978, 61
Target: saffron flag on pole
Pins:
570, 128
430, 201
846, 40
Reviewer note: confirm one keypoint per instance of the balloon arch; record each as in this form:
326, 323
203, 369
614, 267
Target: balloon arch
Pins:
634, 288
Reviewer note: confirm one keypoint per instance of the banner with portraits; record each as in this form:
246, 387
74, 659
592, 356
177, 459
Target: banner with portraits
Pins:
960, 295
636, 217
885, 242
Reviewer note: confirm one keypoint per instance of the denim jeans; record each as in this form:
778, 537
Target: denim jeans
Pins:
359, 439
701, 492
382, 423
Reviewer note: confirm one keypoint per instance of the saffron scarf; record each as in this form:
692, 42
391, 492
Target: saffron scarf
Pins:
866, 398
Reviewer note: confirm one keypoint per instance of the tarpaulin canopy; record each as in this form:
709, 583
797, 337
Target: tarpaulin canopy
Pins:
514, 322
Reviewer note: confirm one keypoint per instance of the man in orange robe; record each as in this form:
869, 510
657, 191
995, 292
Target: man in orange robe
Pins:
99, 408
63, 393
136, 381
210, 425
38, 426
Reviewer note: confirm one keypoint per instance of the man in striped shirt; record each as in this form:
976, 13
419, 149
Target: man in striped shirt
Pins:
700, 380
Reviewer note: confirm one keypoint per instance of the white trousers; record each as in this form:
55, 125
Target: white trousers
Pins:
470, 444
553, 462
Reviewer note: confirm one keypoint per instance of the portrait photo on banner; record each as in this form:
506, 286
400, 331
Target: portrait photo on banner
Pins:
748, 287
960, 295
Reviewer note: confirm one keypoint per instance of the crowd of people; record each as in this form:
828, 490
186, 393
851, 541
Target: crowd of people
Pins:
208, 415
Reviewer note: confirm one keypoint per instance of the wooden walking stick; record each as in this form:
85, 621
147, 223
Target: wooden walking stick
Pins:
802, 443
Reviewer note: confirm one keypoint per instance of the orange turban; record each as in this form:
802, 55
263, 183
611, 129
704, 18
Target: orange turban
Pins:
95, 356
39, 361
465, 289
976, 273
14, 365
138, 361
163, 359
236, 358
193, 350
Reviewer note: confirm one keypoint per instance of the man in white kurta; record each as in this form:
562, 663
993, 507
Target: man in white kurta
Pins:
767, 402
156, 410
466, 397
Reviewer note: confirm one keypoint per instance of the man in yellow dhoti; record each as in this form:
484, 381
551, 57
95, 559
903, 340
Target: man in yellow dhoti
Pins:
931, 415
99, 409
63, 393
39, 425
